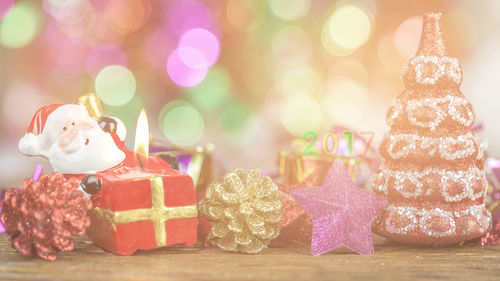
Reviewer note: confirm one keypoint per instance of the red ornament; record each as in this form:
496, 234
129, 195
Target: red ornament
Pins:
492, 238
42, 216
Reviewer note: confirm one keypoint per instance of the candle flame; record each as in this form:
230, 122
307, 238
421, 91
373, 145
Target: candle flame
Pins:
141, 146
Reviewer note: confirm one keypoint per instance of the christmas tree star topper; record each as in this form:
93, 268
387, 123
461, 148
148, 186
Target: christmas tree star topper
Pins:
342, 214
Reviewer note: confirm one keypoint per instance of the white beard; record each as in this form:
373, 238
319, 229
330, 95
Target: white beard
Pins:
100, 154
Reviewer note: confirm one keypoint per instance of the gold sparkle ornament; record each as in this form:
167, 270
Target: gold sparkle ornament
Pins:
244, 211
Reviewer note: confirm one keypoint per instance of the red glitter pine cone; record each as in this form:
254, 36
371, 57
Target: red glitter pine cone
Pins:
41, 217
492, 238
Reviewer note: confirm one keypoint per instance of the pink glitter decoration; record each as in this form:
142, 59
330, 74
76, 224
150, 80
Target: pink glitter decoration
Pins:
38, 172
104, 55
342, 214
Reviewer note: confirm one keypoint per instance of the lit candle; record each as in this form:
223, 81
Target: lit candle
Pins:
141, 146
143, 203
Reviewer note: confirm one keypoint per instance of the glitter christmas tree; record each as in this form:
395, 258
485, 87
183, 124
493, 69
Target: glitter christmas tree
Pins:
433, 170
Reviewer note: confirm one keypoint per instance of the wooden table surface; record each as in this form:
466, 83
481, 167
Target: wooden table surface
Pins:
390, 262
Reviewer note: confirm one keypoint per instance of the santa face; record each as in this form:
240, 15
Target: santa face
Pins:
70, 138
75, 144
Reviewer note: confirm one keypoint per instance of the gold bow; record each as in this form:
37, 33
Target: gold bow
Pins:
93, 104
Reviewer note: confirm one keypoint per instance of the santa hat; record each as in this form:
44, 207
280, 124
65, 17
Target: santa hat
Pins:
37, 139
30, 143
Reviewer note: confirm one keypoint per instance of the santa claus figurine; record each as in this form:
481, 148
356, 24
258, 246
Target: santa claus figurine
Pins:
137, 204
79, 141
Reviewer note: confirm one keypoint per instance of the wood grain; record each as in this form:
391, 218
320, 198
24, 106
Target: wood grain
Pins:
390, 262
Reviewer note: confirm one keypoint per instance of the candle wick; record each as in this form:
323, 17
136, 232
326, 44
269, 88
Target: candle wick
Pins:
140, 162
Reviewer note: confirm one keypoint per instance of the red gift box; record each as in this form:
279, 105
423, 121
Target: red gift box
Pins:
138, 209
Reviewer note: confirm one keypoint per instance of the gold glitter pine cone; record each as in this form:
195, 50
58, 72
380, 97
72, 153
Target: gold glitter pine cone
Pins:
244, 211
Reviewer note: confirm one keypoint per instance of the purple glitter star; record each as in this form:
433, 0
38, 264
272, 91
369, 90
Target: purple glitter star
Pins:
342, 214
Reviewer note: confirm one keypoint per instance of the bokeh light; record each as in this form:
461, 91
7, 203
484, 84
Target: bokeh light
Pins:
68, 12
182, 15
299, 80
104, 55
237, 125
205, 42
259, 73
213, 92
53, 34
5, 6
62, 3
330, 46
290, 9
349, 67
167, 108
158, 47
407, 36
70, 55
246, 15
183, 125
368, 5
390, 59
460, 29
291, 46
84, 27
234, 116
16, 95
19, 26
300, 114
115, 85
344, 101
183, 74
248, 133
349, 26
127, 16
128, 114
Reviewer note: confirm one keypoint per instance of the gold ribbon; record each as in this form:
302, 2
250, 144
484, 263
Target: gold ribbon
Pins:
158, 214
93, 104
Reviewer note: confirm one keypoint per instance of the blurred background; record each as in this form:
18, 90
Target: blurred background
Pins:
247, 76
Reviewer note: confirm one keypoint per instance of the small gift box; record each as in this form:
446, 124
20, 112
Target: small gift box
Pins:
141, 209
312, 156
196, 162
295, 167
